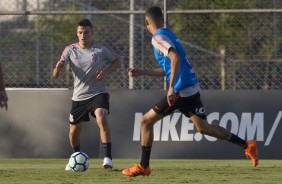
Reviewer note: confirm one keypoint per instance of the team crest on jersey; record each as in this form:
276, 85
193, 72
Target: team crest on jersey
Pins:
95, 57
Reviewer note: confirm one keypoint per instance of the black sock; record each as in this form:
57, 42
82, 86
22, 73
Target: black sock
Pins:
108, 149
77, 148
145, 158
238, 141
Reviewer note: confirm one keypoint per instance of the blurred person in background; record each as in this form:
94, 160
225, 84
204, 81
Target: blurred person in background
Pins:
3, 94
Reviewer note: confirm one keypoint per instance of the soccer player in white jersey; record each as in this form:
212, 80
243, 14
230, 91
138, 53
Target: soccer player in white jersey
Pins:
3, 94
183, 94
87, 61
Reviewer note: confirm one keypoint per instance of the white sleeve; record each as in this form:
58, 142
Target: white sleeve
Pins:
162, 43
109, 54
66, 55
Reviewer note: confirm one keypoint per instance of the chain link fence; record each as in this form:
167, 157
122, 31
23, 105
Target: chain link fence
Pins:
233, 45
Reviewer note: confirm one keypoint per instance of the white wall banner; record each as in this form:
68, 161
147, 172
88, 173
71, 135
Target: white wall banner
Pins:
36, 125
249, 114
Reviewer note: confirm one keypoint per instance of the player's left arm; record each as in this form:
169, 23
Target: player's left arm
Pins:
165, 45
175, 66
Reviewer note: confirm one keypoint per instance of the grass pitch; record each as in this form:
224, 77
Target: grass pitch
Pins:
51, 171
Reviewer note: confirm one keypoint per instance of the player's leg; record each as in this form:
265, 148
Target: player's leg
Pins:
100, 112
102, 121
197, 115
78, 115
105, 134
147, 137
160, 110
74, 136
204, 127
219, 132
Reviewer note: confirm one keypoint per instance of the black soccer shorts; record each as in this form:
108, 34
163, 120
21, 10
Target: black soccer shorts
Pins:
192, 104
80, 109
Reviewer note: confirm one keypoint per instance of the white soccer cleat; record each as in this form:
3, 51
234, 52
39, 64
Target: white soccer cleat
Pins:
108, 163
68, 167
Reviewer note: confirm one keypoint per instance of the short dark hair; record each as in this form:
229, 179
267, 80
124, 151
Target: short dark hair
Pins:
155, 13
84, 23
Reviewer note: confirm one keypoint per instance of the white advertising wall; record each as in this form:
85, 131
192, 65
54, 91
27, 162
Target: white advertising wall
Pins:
36, 125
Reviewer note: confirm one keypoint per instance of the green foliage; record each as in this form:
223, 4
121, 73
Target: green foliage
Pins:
243, 35
60, 27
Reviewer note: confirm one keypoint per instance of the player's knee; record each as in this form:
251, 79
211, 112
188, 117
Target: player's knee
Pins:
146, 123
101, 116
101, 113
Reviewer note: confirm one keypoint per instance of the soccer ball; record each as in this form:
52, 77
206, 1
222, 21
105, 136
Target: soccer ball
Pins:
79, 161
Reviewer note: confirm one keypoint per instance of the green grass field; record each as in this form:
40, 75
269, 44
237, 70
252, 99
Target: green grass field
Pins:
163, 171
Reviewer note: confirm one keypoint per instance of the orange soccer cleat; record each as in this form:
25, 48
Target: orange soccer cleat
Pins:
137, 170
252, 152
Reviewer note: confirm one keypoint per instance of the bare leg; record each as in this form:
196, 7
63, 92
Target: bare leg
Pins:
102, 121
209, 129
147, 136
74, 134
221, 133
105, 134
147, 125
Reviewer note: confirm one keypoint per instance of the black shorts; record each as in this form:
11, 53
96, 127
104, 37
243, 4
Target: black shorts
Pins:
185, 105
80, 109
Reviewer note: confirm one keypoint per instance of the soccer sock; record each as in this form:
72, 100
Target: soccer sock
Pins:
238, 141
77, 148
108, 149
145, 158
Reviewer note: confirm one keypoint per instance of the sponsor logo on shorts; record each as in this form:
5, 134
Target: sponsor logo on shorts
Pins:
71, 118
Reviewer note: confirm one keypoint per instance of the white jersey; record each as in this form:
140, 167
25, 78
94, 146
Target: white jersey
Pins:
84, 64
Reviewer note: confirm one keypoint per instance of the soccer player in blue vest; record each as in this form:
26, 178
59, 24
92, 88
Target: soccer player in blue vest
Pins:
183, 94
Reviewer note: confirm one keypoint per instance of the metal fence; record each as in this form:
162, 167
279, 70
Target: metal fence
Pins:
233, 45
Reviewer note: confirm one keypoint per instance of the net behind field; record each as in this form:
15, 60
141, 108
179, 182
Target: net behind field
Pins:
229, 51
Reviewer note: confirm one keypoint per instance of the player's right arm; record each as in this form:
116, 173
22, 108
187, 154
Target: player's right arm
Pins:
135, 72
59, 66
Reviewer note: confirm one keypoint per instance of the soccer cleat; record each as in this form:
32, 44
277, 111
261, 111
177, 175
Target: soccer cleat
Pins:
252, 152
108, 163
137, 170
68, 167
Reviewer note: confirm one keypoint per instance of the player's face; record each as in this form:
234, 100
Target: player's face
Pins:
84, 34
148, 23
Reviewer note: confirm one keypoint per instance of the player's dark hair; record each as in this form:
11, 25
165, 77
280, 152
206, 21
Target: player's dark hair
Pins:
155, 13
85, 23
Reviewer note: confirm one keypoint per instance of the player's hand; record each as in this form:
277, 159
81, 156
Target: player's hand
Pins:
60, 64
100, 75
3, 100
134, 72
171, 96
